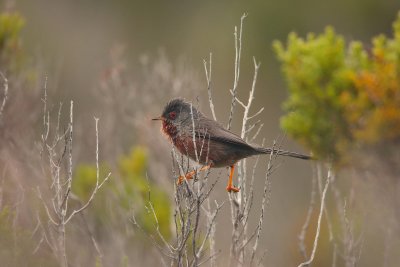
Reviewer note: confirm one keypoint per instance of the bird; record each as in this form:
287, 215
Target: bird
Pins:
207, 142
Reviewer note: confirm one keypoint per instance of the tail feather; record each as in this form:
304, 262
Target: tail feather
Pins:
282, 153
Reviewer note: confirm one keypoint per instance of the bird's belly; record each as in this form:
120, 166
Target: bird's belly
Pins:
209, 152
196, 150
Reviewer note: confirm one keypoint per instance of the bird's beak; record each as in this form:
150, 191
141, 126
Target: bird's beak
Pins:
158, 119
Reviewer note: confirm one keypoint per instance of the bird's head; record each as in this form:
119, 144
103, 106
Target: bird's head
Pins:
177, 114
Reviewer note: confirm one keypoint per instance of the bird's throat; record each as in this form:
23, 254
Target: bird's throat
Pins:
184, 145
169, 130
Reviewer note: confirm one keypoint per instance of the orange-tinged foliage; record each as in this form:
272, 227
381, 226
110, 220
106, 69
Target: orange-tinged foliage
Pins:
377, 101
340, 97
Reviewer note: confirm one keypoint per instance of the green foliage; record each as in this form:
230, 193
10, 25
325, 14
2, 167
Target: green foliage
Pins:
376, 96
11, 25
125, 262
85, 179
314, 70
341, 96
98, 262
129, 187
5, 227
133, 172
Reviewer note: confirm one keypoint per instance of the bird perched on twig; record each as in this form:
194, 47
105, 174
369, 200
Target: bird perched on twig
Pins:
206, 141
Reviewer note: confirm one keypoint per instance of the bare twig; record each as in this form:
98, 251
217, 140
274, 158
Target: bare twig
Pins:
238, 51
62, 187
242, 165
209, 228
257, 132
327, 217
157, 226
151, 238
194, 133
310, 260
265, 202
250, 100
189, 199
261, 109
98, 183
5, 96
49, 216
236, 98
211, 257
71, 117
306, 224
208, 77
46, 115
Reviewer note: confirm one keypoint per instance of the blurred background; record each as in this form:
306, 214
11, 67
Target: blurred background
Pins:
121, 61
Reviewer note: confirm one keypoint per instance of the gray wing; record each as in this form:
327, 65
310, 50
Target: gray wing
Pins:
212, 130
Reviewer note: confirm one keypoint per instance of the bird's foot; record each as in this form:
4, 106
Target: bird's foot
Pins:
182, 178
231, 188
190, 175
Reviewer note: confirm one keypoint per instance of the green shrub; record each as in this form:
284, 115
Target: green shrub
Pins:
341, 96
128, 188
11, 54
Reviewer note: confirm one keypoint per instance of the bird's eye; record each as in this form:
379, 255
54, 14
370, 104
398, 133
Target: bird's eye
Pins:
172, 115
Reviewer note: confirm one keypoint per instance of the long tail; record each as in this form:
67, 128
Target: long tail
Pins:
282, 153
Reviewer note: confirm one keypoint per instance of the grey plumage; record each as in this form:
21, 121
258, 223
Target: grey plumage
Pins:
215, 145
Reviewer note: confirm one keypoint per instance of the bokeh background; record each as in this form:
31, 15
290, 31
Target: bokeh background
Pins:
123, 60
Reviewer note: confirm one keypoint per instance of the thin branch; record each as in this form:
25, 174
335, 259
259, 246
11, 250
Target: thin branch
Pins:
238, 51
209, 228
256, 114
321, 210
95, 244
265, 202
237, 99
151, 238
212, 229
194, 133
5, 96
46, 208
257, 132
327, 217
46, 114
69, 180
208, 77
157, 226
306, 224
195, 229
98, 184
57, 137
211, 257
262, 257
250, 100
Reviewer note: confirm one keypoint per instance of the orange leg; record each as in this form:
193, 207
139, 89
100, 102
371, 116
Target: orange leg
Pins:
190, 175
230, 187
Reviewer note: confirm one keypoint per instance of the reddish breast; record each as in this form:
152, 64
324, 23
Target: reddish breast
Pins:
185, 144
169, 130
172, 133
